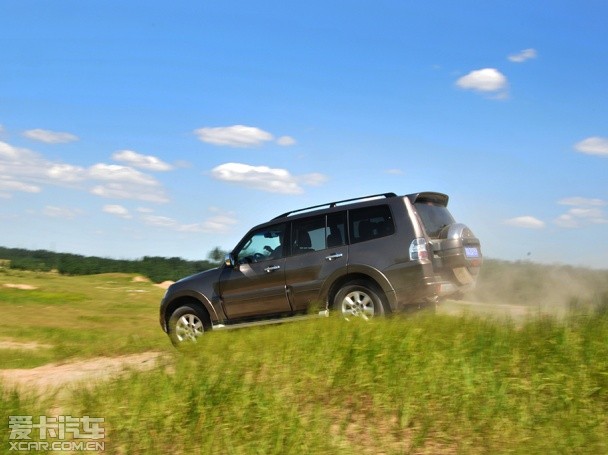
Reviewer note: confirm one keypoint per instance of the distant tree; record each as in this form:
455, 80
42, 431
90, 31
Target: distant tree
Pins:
216, 255
158, 269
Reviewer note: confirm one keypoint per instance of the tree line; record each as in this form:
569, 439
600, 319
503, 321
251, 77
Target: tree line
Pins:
157, 269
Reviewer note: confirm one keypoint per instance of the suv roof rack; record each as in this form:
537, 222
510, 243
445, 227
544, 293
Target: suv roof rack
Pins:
333, 204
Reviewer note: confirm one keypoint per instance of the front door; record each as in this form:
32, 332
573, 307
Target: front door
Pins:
255, 286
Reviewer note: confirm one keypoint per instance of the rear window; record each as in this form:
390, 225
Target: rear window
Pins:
434, 217
370, 223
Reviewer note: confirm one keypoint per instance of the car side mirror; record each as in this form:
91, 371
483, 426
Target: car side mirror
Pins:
229, 261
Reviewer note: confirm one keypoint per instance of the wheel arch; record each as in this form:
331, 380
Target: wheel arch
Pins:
369, 275
197, 300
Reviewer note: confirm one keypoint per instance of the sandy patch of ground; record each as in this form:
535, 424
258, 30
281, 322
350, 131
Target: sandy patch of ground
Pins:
54, 376
164, 284
25, 287
140, 279
25, 346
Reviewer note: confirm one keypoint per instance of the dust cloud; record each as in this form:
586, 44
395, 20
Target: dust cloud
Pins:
543, 289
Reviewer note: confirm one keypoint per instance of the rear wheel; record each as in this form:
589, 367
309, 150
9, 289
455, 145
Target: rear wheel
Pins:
186, 324
359, 300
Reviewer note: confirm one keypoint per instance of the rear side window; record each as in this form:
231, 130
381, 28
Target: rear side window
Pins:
308, 235
318, 233
336, 229
434, 217
370, 223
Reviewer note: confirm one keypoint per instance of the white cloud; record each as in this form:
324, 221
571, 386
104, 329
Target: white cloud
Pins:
50, 137
123, 182
522, 56
19, 168
66, 173
24, 164
584, 212
240, 136
274, 180
25, 170
567, 221
8, 184
394, 171
8, 152
60, 212
115, 172
313, 179
263, 178
220, 222
160, 221
576, 218
148, 162
117, 190
286, 141
593, 146
591, 213
582, 201
528, 222
118, 210
487, 80
234, 136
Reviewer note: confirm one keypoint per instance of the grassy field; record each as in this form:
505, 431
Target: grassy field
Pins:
418, 384
86, 316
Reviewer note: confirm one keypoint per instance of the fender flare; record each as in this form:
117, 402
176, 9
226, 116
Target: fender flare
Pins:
358, 271
211, 309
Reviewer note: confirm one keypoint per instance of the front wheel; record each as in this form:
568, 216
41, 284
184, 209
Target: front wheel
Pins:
186, 324
358, 300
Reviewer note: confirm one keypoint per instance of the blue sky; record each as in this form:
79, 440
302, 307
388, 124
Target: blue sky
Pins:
168, 128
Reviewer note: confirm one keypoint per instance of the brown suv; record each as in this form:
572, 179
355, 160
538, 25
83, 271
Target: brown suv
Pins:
362, 257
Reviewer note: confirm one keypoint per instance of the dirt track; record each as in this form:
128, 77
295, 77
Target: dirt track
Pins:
54, 376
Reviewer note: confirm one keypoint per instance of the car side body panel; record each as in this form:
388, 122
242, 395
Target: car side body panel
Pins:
307, 274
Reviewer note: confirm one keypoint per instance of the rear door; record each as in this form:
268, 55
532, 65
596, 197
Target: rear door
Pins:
318, 251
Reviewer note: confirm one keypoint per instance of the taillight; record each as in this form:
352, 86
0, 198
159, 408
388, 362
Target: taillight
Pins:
418, 249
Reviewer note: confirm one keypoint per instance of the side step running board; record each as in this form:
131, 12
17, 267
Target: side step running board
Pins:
322, 314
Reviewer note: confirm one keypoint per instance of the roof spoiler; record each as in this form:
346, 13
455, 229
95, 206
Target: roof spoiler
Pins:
429, 197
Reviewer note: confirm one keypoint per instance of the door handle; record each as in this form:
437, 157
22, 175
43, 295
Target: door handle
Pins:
331, 257
272, 268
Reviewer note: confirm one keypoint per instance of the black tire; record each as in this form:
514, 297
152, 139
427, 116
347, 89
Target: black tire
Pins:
359, 300
187, 323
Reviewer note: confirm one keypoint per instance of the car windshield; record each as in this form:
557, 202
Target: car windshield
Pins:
434, 217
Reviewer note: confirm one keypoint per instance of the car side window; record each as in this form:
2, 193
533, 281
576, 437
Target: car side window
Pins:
308, 235
318, 233
336, 229
262, 245
370, 223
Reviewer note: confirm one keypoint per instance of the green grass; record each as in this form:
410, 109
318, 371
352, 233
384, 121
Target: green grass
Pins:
429, 384
84, 316
417, 384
